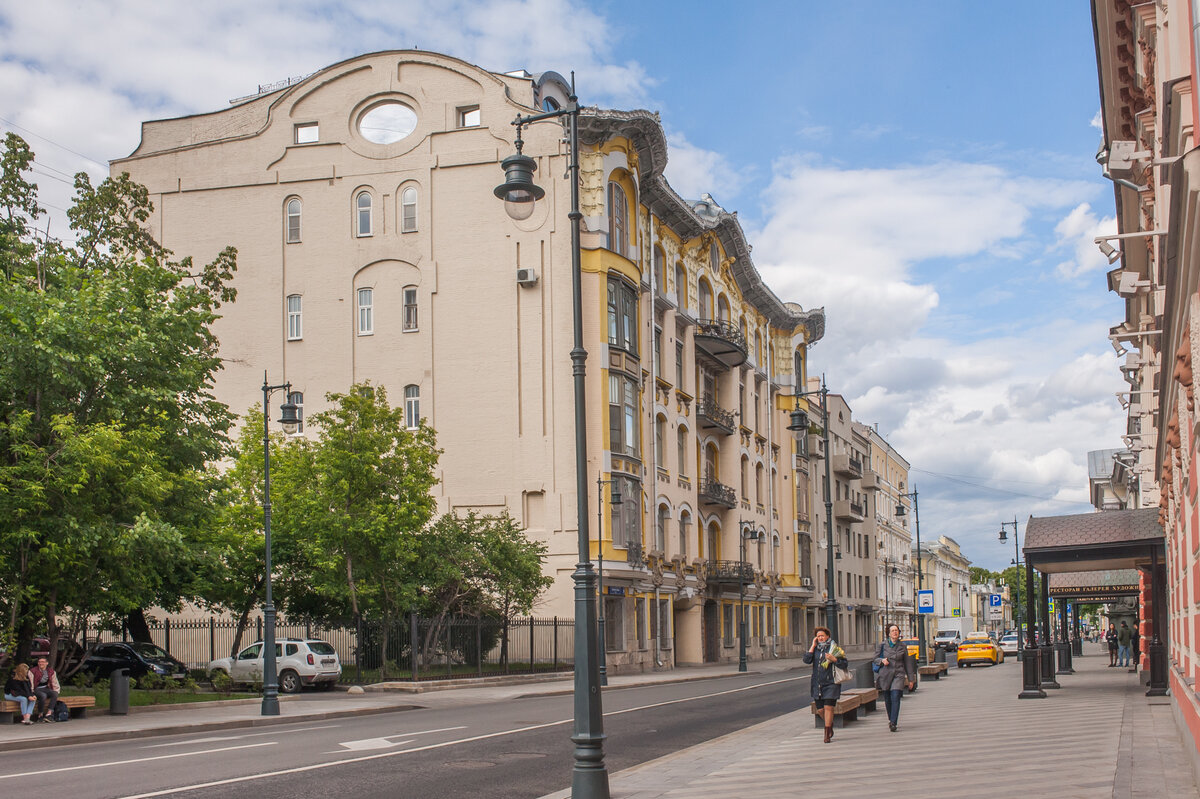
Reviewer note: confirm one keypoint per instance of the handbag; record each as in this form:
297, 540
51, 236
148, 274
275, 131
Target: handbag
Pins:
841, 675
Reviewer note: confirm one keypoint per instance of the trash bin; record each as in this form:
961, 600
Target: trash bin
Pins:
939, 654
118, 692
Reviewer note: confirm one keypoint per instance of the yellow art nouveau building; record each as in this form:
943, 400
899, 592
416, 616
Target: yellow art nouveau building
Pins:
371, 247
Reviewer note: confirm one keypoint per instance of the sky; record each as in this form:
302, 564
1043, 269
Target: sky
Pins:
924, 171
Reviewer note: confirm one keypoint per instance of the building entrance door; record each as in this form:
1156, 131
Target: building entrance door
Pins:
712, 632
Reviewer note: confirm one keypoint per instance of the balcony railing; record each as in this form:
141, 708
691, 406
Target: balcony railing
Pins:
730, 571
712, 415
848, 511
721, 341
847, 465
713, 492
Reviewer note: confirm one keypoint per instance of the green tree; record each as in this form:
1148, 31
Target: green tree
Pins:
357, 497
107, 418
982, 576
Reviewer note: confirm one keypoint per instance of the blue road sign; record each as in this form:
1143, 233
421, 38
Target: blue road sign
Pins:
995, 600
925, 600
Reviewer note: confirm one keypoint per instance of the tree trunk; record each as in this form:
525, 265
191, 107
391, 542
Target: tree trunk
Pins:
139, 629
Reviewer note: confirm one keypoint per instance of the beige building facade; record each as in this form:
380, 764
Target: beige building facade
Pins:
371, 248
886, 479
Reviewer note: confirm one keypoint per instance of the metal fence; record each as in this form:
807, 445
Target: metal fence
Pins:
372, 651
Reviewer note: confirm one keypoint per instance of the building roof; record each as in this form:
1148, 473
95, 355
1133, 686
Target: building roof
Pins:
1108, 539
1100, 463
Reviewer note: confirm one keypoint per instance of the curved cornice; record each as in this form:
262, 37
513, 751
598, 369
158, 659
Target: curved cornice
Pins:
644, 129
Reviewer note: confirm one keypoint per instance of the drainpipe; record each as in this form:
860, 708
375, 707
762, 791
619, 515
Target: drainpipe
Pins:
654, 413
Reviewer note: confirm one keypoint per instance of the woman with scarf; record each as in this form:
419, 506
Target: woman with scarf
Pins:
824, 654
894, 671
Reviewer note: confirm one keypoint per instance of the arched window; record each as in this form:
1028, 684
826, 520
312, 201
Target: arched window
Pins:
758, 483
714, 542
680, 287
295, 322
660, 270
745, 477
408, 210
714, 258
660, 441
292, 226
758, 353
681, 451
618, 231
412, 407
366, 312
723, 308
711, 462
685, 526
706, 300
410, 308
363, 204
660, 529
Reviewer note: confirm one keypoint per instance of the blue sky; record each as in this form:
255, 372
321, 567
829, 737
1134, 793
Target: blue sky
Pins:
923, 170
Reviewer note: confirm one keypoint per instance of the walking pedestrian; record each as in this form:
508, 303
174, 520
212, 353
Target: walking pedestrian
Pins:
1111, 638
824, 654
20, 690
1124, 639
894, 671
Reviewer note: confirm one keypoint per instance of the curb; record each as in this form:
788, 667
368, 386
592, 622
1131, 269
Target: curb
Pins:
153, 732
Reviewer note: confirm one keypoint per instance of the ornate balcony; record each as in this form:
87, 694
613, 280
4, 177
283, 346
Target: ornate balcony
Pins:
721, 341
730, 571
711, 415
849, 511
713, 492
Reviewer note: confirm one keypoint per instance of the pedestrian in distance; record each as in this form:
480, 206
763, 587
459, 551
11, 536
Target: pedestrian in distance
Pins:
45, 688
1111, 638
1124, 639
19, 689
824, 654
894, 671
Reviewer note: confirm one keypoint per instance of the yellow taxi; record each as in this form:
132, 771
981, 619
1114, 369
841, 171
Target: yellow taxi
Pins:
978, 647
914, 649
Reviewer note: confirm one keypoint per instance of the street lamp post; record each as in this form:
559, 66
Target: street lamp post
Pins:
746, 532
799, 422
1017, 563
589, 778
289, 420
615, 500
922, 650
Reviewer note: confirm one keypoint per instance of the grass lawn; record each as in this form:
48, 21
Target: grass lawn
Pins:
140, 698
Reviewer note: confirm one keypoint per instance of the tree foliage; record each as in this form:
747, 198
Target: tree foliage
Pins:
107, 418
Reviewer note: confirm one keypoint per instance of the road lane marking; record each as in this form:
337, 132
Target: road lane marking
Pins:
384, 742
218, 738
443, 744
134, 760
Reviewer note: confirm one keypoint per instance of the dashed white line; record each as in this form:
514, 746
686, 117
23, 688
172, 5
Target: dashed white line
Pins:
133, 760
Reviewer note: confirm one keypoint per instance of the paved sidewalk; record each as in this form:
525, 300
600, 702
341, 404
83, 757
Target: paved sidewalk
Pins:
1099, 737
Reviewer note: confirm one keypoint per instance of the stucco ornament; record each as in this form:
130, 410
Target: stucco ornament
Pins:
1183, 371
591, 183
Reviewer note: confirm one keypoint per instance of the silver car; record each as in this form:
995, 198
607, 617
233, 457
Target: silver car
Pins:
1010, 644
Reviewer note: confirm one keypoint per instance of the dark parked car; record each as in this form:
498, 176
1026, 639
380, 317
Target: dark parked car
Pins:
140, 659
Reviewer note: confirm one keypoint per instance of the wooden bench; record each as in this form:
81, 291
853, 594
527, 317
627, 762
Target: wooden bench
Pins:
845, 710
933, 671
78, 706
868, 697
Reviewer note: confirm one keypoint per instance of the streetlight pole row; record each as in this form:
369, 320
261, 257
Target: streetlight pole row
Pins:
746, 532
922, 649
589, 778
1017, 563
614, 498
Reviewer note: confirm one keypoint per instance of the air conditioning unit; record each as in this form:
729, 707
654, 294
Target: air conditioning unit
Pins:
527, 276
806, 582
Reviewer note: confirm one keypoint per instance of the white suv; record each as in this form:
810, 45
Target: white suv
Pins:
298, 663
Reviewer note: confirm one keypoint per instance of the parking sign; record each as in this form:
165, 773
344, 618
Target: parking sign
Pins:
994, 601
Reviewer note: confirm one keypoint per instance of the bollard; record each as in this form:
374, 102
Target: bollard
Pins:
118, 692
939, 654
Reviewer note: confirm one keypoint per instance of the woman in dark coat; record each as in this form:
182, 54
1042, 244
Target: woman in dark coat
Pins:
824, 654
895, 671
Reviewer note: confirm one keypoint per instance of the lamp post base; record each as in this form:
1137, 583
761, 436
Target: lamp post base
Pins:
1065, 665
1046, 656
1158, 670
1031, 672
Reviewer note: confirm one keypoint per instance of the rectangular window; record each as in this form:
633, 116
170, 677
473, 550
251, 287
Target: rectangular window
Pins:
727, 624
623, 415
622, 316
307, 133
468, 117
797, 626
412, 407
627, 517
664, 624
297, 399
679, 366
658, 365
640, 611
295, 328
614, 623
366, 316
408, 210
410, 309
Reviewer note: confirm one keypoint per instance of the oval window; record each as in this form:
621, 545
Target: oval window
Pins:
387, 122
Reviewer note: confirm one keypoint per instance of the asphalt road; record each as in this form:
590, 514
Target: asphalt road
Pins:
514, 749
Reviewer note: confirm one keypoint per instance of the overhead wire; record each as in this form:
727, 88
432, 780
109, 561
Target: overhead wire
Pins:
87, 158
995, 489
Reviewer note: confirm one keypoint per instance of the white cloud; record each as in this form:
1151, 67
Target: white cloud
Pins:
693, 171
1077, 232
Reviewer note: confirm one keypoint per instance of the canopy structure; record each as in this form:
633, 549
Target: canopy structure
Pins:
1091, 557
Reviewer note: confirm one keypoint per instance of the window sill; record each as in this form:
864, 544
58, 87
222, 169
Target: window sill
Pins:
411, 330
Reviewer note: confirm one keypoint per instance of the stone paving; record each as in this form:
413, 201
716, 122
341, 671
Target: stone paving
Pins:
1098, 736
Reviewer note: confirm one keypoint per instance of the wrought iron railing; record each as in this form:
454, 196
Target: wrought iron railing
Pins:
717, 493
730, 571
713, 415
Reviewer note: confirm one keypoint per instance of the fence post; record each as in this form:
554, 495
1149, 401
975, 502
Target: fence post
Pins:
212, 638
167, 634
531, 666
555, 664
479, 645
260, 628
358, 641
414, 645
449, 671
